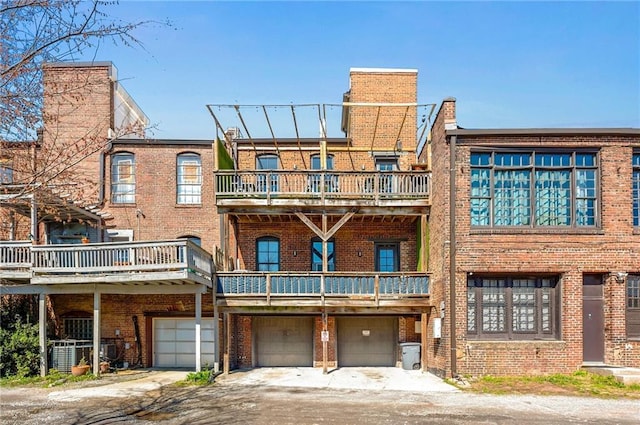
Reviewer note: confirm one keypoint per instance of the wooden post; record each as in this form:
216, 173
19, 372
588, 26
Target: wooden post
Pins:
423, 340
198, 331
42, 332
325, 342
96, 333
227, 341
216, 330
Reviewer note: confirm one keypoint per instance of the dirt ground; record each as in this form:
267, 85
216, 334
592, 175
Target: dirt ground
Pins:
230, 403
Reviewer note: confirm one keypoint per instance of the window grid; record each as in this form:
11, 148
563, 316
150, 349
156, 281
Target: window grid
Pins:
633, 291
6, 170
189, 179
538, 189
78, 328
511, 308
316, 255
636, 189
123, 183
268, 254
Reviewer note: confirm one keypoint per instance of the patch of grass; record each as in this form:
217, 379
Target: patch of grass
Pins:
203, 377
52, 379
579, 383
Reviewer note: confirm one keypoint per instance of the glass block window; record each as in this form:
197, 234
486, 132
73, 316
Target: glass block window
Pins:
78, 328
635, 182
534, 189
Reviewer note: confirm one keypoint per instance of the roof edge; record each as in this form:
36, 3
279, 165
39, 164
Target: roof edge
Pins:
542, 131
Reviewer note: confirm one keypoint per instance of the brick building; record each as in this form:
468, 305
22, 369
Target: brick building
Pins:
546, 265
329, 249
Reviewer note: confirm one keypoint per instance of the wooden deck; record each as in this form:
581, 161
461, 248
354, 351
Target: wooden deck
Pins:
178, 261
340, 290
393, 191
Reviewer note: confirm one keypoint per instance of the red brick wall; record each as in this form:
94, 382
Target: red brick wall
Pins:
438, 354
349, 240
155, 168
615, 246
77, 115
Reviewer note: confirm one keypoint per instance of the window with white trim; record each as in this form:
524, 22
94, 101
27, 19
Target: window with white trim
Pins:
189, 179
123, 179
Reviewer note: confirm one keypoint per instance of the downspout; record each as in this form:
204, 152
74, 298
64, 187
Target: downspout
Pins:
452, 252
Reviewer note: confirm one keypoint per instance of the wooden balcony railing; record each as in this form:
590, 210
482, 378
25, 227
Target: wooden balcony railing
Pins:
105, 258
15, 258
323, 184
316, 284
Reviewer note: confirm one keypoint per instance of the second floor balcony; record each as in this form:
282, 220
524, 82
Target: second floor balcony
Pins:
284, 190
316, 289
177, 261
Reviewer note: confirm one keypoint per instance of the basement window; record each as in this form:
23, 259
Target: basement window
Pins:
78, 328
513, 308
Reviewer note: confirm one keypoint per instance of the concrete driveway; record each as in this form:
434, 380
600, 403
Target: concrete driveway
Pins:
355, 378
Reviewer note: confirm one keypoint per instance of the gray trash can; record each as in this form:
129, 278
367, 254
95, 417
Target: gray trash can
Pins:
410, 355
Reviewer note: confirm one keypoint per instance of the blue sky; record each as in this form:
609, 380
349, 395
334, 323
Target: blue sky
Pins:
508, 64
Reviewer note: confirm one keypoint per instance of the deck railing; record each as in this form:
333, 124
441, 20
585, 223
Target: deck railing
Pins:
109, 257
311, 284
15, 256
323, 184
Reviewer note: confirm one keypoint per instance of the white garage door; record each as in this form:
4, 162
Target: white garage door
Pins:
174, 342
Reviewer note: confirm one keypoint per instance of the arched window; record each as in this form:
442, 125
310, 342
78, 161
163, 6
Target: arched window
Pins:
265, 181
189, 179
123, 178
196, 240
316, 255
330, 180
268, 254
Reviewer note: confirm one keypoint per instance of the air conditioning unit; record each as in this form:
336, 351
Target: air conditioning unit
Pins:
67, 353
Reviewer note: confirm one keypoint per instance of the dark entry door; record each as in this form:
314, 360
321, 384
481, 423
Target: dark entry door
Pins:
592, 319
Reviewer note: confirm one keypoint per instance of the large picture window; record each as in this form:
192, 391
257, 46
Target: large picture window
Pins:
189, 178
636, 189
268, 254
633, 306
535, 189
123, 179
512, 307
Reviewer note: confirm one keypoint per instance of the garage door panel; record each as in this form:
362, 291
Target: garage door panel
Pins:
284, 341
367, 341
186, 334
165, 324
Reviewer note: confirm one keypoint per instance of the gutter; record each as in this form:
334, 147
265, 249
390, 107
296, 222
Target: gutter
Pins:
452, 252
